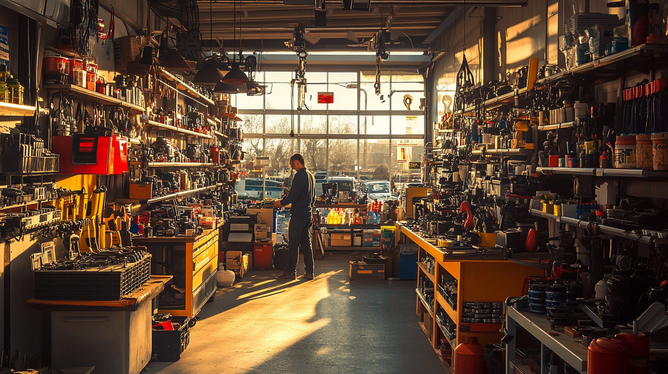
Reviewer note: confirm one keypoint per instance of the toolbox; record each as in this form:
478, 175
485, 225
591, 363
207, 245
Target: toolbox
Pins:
360, 270
82, 154
141, 190
169, 344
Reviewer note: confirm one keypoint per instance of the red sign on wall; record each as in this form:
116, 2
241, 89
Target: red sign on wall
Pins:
325, 97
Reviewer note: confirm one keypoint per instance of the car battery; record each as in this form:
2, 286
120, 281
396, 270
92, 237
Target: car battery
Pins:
509, 239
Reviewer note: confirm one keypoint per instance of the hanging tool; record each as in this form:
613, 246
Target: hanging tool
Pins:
463, 83
94, 210
465, 207
109, 227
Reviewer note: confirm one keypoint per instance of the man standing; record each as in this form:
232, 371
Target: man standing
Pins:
302, 198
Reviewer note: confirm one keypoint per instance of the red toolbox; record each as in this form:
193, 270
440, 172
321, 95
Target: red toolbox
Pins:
91, 154
262, 254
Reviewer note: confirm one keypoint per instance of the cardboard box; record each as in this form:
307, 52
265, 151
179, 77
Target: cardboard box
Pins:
237, 262
428, 324
340, 240
141, 191
362, 271
261, 231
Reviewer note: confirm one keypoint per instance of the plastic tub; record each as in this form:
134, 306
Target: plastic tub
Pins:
625, 152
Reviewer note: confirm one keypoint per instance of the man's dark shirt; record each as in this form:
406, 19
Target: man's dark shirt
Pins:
302, 194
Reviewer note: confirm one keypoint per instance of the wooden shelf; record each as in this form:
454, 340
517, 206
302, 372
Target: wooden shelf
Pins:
556, 126
81, 92
184, 87
176, 129
220, 134
507, 151
16, 110
429, 275
178, 164
430, 309
446, 306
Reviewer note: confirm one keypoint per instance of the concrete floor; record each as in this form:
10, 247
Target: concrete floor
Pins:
327, 325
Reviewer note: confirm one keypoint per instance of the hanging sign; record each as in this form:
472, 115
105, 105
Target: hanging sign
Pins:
325, 97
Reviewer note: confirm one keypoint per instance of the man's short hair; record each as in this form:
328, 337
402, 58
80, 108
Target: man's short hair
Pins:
297, 157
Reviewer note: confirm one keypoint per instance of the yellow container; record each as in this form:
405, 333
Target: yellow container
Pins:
487, 239
557, 210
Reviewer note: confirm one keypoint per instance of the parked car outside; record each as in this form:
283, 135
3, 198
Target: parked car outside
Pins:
379, 190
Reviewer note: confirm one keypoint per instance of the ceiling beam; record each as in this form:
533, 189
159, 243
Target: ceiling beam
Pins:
449, 20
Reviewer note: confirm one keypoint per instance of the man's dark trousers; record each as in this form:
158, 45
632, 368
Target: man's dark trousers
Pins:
299, 236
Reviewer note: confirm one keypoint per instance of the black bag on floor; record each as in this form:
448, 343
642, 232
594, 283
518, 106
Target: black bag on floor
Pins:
280, 256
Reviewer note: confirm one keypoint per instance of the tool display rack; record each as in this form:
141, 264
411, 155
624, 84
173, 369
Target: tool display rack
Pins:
193, 261
537, 325
478, 280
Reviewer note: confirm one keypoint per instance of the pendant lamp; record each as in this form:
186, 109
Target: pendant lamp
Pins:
226, 88
209, 70
235, 75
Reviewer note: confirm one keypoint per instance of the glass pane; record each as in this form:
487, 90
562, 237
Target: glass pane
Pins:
253, 147
312, 90
373, 101
344, 98
403, 93
279, 152
343, 124
343, 157
313, 124
278, 124
281, 91
403, 152
375, 159
315, 154
405, 125
379, 125
252, 124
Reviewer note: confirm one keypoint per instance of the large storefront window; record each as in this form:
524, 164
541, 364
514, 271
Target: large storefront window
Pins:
360, 134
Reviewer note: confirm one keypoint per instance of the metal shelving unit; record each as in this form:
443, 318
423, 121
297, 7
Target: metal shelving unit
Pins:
176, 129
184, 87
180, 194
606, 172
16, 110
569, 349
178, 164
609, 230
81, 92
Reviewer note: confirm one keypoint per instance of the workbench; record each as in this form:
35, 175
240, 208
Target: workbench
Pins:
193, 261
114, 336
480, 278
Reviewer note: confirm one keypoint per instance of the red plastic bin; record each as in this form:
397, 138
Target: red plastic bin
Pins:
263, 255
83, 154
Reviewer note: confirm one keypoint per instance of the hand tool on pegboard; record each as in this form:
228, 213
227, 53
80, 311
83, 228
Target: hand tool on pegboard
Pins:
89, 242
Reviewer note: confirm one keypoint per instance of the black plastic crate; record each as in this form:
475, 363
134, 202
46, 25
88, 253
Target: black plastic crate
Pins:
100, 283
169, 344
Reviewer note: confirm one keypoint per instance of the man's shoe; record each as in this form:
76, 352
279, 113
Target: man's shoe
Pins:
287, 276
306, 276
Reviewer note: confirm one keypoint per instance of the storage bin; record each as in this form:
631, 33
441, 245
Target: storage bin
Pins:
169, 344
360, 270
263, 255
408, 258
115, 342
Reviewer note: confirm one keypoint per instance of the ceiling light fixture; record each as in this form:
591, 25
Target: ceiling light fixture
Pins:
209, 70
235, 75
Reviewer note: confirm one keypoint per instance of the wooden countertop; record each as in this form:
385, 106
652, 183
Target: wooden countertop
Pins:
130, 302
141, 240
440, 254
